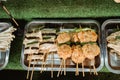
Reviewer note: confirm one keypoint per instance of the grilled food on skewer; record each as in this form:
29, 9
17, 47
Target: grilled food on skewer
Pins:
113, 37
40, 42
64, 51
91, 51
77, 57
114, 51
63, 37
74, 37
28, 41
5, 38
52, 47
48, 38
9, 30
115, 47
31, 41
48, 31
47, 48
36, 34
114, 43
87, 36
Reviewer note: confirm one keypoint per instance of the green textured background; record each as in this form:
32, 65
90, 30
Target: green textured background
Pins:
26, 10
61, 8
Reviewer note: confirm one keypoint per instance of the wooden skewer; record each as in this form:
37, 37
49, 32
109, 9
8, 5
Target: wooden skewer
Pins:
90, 70
64, 67
29, 65
42, 64
47, 51
117, 27
28, 68
32, 70
60, 68
6, 10
93, 68
80, 26
52, 58
95, 72
83, 69
77, 72
93, 64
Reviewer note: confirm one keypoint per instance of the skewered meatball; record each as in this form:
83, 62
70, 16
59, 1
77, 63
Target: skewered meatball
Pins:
87, 36
91, 50
77, 55
64, 51
63, 37
74, 37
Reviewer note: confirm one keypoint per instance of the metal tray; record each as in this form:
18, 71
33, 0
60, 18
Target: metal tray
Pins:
67, 25
112, 61
4, 56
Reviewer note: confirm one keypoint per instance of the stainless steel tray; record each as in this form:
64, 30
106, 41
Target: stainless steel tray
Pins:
112, 61
4, 56
69, 24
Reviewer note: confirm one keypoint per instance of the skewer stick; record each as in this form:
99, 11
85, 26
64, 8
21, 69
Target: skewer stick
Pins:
90, 70
28, 68
118, 27
52, 58
80, 26
60, 68
77, 73
93, 64
95, 72
42, 63
47, 51
6, 10
29, 64
83, 69
42, 66
64, 67
32, 70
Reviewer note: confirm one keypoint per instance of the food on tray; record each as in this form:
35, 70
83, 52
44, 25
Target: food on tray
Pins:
113, 37
34, 35
83, 43
32, 40
74, 37
50, 38
5, 38
74, 45
78, 57
48, 31
87, 36
90, 51
48, 46
31, 51
64, 51
37, 57
114, 42
38, 44
63, 37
